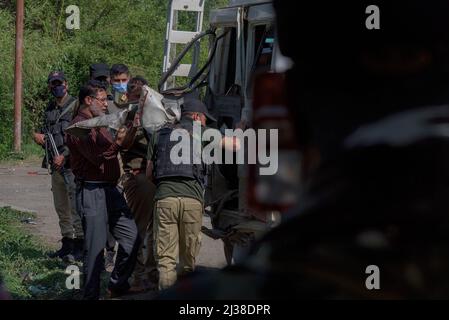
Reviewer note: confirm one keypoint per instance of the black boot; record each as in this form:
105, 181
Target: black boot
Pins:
66, 249
78, 249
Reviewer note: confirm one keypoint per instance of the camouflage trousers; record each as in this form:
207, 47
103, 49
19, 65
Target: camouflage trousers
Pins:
64, 200
177, 231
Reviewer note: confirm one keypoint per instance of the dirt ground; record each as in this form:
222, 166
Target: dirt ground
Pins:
26, 187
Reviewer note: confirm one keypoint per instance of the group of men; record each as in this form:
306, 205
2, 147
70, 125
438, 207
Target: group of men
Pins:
108, 185
379, 194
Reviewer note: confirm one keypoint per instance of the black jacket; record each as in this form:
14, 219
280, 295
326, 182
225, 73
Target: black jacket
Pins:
56, 120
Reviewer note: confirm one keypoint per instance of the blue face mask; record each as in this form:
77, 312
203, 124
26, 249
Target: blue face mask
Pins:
120, 87
58, 91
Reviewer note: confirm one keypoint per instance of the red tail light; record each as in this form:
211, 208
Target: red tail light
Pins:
277, 192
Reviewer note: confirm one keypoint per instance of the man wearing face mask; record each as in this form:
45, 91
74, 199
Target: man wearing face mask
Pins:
57, 117
119, 75
179, 197
102, 206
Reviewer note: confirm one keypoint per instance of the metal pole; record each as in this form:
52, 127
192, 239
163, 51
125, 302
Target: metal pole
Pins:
18, 77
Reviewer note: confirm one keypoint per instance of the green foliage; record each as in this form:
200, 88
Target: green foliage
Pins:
111, 31
25, 268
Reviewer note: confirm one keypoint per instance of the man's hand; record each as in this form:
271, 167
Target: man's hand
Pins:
125, 137
39, 138
241, 125
149, 172
58, 162
230, 143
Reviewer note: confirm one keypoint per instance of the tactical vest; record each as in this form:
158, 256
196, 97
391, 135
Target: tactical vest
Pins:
165, 168
57, 119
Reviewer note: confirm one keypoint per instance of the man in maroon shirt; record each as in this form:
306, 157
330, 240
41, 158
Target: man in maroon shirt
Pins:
100, 203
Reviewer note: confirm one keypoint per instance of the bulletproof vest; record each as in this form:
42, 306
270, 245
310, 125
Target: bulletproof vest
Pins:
165, 168
56, 120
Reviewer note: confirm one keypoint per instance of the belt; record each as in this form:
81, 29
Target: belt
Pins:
95, 183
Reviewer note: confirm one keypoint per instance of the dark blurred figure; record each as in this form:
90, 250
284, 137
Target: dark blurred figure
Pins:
4, 295
373, 105
100, 72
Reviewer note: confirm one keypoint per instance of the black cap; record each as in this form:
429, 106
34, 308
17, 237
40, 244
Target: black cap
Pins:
99, 70
56, 75
195, 105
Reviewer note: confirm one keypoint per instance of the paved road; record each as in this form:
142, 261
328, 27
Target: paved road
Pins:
27, 187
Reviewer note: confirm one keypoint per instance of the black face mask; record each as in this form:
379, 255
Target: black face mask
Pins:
58, 91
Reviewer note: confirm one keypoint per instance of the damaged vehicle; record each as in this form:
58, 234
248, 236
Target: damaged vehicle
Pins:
242, 44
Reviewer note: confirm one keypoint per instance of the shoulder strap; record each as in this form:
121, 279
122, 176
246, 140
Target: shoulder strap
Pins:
70, 107
167, 127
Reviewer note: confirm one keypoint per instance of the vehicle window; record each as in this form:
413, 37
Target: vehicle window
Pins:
230, 71
264, 48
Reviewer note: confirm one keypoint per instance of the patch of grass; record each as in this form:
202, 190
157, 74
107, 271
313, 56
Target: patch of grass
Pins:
30, 152
27, 271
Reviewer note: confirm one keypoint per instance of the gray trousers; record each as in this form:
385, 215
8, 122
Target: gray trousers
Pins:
103, 207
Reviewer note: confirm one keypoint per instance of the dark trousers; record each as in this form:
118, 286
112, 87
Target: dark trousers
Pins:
102, 206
